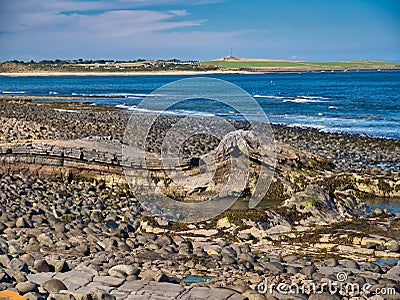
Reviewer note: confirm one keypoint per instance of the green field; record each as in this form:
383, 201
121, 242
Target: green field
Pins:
362, 64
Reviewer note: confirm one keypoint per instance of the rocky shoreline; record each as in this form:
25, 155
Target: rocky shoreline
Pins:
71, 229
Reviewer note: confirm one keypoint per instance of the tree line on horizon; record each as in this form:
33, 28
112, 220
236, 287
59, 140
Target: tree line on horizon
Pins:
87, 61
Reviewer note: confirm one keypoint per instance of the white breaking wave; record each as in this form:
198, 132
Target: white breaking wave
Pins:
295, 99
122, 106
148, 111
116, 95
135, 109
333, 107
134, 97
66, 110
269, 97
301, 125
313, 97
13, 92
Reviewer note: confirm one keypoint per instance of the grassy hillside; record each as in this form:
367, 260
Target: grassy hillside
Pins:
277, 64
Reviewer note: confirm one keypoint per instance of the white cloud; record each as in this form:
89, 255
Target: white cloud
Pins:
90, 13
47, 18
8, 7
93, 29
180, 13
126, 23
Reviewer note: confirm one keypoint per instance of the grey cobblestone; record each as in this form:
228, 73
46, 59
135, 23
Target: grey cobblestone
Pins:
80, 283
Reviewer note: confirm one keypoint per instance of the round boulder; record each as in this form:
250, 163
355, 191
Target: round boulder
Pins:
54, 286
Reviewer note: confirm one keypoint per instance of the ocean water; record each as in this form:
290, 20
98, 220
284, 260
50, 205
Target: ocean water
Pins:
363, 102
393, 204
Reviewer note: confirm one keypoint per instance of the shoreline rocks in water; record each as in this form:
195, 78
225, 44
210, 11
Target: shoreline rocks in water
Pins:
80, 234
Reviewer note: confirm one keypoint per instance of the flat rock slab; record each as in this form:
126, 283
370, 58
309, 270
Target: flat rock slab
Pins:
109, 280
83, 282
168, 290
40, 278
201, 293
132, 285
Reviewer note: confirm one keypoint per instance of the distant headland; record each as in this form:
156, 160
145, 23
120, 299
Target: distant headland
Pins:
228, 64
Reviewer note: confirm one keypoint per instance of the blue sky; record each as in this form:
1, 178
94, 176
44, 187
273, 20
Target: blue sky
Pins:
313, 30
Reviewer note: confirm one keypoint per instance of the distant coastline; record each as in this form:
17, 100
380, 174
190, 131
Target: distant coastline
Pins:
268, 65
181, 73
148, 73
225, 65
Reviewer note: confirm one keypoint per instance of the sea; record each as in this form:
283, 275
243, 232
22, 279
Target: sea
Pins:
361, 102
